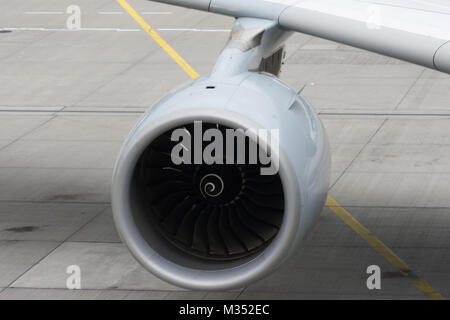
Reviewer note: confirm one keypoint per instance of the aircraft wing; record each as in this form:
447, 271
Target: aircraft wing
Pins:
417, 31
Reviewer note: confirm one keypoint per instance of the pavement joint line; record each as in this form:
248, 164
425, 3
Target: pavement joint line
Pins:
371, 114
167, 292
109, 29
179, 290
359, 153
71, 111
377, 244
386, 119
110, 12
407, 172
67, 30
87, 289
21, 201
410, 89
155, 12
63, 168
57, 246
31, 43
108, 81
100, 12
44, 12
109, 110
28, 132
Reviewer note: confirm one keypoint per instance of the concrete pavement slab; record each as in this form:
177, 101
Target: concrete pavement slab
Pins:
90, 46
396, 227
188, 295
136, 88
428, 95
13, 127
52, 83
86, 127
393, 189
316, 53
417, 158
103, 266
16, 257
358, 94
302, 296
65, 294
315, 271
416, 130
344, 130
4, 143
222, 295
101, 229
44, 221
60, 154
55, 185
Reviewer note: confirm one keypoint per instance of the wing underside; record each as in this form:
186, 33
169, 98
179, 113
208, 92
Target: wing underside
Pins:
417, 31
392, 28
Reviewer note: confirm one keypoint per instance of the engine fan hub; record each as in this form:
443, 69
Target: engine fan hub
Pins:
219, 184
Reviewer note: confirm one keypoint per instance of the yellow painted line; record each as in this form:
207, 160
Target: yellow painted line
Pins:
334, 206
378, 245
152, 33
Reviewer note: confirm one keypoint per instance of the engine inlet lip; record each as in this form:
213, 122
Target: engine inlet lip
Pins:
237, 276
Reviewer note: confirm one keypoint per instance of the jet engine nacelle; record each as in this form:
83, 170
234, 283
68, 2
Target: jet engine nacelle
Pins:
221, 225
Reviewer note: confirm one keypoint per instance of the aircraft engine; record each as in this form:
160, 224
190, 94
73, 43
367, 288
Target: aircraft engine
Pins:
220, 181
